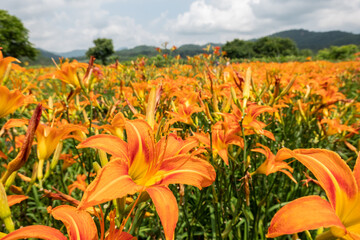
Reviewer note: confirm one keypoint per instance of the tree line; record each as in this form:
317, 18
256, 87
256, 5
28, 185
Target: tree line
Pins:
274, 47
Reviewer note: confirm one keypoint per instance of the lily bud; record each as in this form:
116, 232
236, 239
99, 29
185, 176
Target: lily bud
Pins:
5, 213
24, 153
151, 107
246, 91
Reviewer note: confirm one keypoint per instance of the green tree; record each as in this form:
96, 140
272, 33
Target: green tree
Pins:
338, 52
14, 37
306, 52
239, 49
103, 49
275, 47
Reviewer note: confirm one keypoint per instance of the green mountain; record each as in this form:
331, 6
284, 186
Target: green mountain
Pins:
72, 54
318, 40
43, 58
142, 50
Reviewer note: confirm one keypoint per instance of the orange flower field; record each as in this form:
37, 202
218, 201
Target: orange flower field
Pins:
198, 149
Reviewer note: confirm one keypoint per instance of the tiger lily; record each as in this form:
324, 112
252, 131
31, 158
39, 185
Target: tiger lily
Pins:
117, 125
5, 66
79, 183
273, 163
186, 106
222, 137
79, 225
249, 121
143, 165
340, 214
335, 127
10, 101
68, 73
48, 138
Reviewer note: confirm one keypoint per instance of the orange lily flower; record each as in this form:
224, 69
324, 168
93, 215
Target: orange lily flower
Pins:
10, 101
79, 183
5, 65
187, 105
341, 185
48, 138
143, 165
117, 125
272, 163
249, 122
222, 137
71, 71
79, 225
335, 127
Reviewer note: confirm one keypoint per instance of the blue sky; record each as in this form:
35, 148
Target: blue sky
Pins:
65, 25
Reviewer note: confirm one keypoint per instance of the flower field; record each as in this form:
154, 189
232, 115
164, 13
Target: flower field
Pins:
197, 149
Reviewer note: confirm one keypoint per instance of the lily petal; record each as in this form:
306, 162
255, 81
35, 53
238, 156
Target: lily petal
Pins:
333, 174
166, 207
79, 224
112, 182
223, 153
35, 231
187, 170
14, 199
140, 141
175, 145
141, 149
110, 144
121, 236
356, 171
305, 213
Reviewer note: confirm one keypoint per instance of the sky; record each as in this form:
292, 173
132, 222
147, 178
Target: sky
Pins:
65, 25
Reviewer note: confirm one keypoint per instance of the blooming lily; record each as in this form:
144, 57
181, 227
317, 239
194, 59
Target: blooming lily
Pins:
143, 165
79, 225
10, 101
273, 163
342, 187
5, 66
222, 137
48, 138
68, 73
249, 121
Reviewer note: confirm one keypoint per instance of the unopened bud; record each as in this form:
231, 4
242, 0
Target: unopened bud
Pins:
5, 213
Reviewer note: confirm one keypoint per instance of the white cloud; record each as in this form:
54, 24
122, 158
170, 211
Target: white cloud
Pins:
224, 20
219, 16
64, 25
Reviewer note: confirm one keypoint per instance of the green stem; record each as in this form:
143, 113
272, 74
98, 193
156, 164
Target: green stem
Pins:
215, 199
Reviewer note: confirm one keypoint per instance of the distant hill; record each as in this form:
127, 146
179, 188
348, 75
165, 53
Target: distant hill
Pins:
47, 54
142, 50
150, 51
72, 54
319, 40
43, 58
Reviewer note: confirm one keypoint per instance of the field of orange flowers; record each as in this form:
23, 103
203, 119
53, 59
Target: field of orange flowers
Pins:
203, 150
